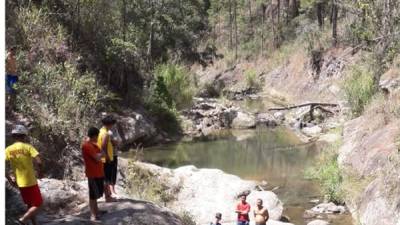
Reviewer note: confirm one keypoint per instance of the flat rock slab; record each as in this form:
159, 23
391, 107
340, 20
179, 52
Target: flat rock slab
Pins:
123, 212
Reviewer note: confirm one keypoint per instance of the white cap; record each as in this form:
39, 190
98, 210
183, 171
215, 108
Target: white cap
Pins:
19, 129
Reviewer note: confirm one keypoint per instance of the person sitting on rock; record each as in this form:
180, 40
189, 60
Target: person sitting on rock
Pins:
243, 209
22, 157
261, 213
94, 170
218, 217
106, 144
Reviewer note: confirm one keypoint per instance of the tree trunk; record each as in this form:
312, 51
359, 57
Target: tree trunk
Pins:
263, 8
320, 16
294, 8
230, 25
250, 19
236, 30
287, 11
334, 22
123, 83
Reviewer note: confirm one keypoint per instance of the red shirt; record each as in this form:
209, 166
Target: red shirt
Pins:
93, 168
243, 207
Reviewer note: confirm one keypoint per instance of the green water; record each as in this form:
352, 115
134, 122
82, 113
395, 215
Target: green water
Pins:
272, 155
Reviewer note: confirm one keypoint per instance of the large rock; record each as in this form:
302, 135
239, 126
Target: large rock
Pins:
65, 202
134, 127
312, 131
62, 195
329, 208
370, 152
318, 222
243, 121
123, 212
203, 192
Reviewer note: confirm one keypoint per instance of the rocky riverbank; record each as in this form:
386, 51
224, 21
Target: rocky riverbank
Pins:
199, 193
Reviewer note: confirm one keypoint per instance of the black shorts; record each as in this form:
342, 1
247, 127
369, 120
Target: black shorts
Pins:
108, 168
114, 171
96, 188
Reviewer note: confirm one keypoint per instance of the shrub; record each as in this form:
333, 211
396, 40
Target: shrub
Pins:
187, 218
174, 85
252, 80
328, 174
358, 89
146, 185
51, 90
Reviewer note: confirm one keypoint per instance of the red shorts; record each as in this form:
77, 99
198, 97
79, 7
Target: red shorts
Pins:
31, 195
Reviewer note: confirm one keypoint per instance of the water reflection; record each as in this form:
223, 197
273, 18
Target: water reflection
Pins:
274, 155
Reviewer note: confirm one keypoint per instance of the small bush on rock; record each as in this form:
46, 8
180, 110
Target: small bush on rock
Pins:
358, 89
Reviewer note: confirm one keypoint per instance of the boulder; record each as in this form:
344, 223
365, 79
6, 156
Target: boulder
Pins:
203, 192
123, 212
329, 208
134, 127
312, 131
268, 119
318, 222
243, 121
62, 195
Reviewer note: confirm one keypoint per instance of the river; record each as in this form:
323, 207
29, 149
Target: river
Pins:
275, 156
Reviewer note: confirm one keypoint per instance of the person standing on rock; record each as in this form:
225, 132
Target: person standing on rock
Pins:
22, 157
106, 145
94, 170
261, 213
116, 141
11, 70
243, 209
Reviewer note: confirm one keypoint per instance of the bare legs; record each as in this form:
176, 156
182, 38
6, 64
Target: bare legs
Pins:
93, 209
30, 215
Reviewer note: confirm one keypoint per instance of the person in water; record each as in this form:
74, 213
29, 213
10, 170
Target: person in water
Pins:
94, 171
106, 145
242, 210
218, 217
22, 157
261, 213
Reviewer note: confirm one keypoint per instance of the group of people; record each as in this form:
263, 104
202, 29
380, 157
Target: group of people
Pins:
260, 213
101, 163
99, 155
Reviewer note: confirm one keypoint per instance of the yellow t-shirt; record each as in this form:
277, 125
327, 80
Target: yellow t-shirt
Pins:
20, 156
110, 149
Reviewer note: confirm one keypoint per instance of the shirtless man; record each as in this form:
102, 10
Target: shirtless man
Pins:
260, 213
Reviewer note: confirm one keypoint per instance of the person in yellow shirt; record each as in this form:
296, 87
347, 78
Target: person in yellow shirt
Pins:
106, 144
21, 156
11, 70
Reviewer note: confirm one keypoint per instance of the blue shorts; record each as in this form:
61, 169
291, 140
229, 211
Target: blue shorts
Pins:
10, 81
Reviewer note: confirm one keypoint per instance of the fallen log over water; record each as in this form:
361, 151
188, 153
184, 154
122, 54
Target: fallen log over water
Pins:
312, 105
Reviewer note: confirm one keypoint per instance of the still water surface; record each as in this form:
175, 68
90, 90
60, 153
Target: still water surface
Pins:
272, 155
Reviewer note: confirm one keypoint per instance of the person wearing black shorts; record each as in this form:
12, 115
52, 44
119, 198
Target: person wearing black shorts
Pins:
94, 171
106, 145
116, 141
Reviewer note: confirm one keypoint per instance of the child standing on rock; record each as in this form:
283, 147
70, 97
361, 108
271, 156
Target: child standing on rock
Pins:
94, 170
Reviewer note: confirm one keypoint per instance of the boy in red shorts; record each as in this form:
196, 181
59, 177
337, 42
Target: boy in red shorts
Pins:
21, 157
94, 170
